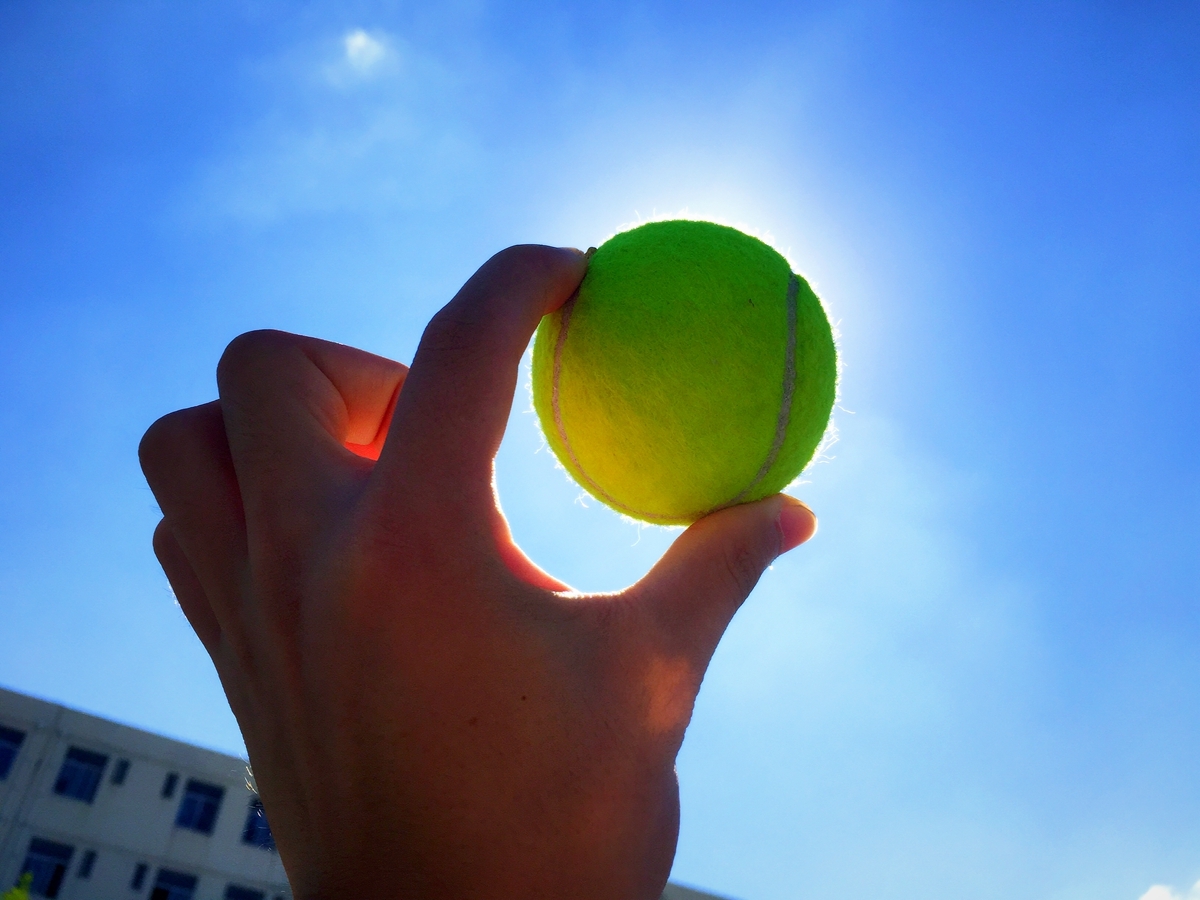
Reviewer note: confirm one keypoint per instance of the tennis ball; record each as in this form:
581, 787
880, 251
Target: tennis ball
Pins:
692, 370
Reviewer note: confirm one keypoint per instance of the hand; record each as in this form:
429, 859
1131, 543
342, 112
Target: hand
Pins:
429, 714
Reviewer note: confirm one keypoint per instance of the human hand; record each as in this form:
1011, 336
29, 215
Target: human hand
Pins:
429, 714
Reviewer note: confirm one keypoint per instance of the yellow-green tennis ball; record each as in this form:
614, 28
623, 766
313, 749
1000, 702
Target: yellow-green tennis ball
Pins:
693, 370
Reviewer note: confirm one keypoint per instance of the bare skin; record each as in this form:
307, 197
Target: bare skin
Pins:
429, 714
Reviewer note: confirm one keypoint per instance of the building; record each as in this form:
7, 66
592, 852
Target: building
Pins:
101, 811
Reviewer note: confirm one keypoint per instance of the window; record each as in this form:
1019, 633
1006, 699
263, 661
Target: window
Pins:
10, 743
168, 788
80, 774
237, 892
47, 862
173, 886
139, 877
86, 864
120, 770
257, 832
198, 809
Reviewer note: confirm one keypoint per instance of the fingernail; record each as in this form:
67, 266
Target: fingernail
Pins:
797, 523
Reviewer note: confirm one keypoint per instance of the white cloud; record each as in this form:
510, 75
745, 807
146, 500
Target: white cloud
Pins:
1162, 892
364, 51
326, 143
363, 56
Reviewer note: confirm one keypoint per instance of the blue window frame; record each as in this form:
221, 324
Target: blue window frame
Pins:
47, 862
139, 877
120, 771
199, 806
237, 892
86, 865
10, 743
173, 886
257, 832
80, 774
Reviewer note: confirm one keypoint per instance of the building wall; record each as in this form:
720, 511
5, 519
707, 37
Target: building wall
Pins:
129, 823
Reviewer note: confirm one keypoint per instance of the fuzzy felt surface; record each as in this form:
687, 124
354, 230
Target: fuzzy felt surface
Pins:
661, 386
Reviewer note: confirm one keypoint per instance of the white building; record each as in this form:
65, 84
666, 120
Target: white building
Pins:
101, 811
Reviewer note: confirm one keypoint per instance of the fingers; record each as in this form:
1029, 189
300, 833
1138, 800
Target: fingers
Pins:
708, 572
190, 595
185, 457
188, 590
457, 398
297, 411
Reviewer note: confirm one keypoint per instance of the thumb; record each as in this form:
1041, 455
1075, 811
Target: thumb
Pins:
698, 585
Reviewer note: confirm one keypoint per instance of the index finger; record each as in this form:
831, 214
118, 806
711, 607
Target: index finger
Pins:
456, 400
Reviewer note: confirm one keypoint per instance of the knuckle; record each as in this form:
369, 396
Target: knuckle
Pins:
160, 443
451, 332
173, 441
246, 351
743, 566
162, 539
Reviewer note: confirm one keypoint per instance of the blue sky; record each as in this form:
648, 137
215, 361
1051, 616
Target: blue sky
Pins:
981, 679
